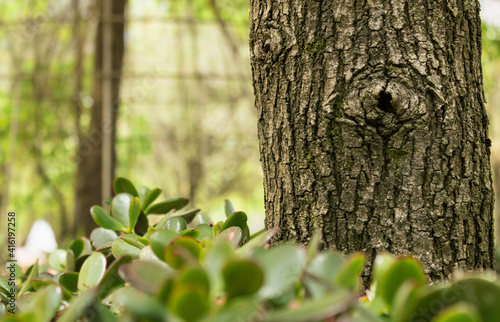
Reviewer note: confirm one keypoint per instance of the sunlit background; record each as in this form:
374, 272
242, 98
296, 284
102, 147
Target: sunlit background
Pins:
186, 119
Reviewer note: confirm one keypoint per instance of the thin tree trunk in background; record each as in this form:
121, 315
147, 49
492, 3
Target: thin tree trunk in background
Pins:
89, 173
373, 129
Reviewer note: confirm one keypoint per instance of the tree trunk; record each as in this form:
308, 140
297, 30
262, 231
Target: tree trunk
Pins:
88, 179
373, 129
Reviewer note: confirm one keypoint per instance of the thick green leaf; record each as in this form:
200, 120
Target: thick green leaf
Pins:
188, 304
182, 250
228, 208
79, 306
459, 312
70, 261
120, 208
101, 236
150, 198
189, 215
166, 206
146, 276
80, 247
111, 279
191, 232
237, 219
26, 285
159, 241
103, 219
234, 235
195, 278
69, 281
125, 247
218, 228
257, 242
402, 270
124, 185
142, 225
45, 303
142, 306
349, 275
282, 265
322, 270
241, 278
203, 218
134, 212
92, 271
206, 231
57, 260
143, 193
318, 310
176, 224
215, 259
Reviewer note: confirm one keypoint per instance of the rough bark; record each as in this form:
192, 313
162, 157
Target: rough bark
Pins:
88, 178
373, 129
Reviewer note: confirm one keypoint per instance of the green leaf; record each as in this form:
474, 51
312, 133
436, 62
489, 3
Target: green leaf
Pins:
134, 212
322, 269
143, 193
142, 306
283, 266
176, 224
349, 275
103, 219
195, 278
399, 272
189, 215
101, 236
57, 260
459, 312
234, 235
318, 310
146, 276
111, 279
237, 219
159, 241
121, 185
182, 250
166, 206
218, 228
45, 303
79, 306
69, 281
206, 231
26, 285
124, 247
81, 247
228, 208
215, 259
120, 208
142, 225
257, 241
242, 278
191, 232
150, 198
92, 271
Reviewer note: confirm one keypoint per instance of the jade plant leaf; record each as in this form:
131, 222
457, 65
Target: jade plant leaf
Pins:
206, 231
92, 271
101, 236
57, 260
237, 219
32, 275
459, 312
121, 185
228, 208
159, 241
322, 269
133, 213
191, 232
150, 198
399, 272
103, 219
45, 303
282, 265
123, 247
241, 278
189, 215
182, 250
176, 224
166, 206
146, 276
80, 247
111, 279
143, 193
234, 235
120, 208
69, 281
349, 275
139, 304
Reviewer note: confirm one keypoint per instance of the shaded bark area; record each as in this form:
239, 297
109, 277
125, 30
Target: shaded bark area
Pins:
373, 129
88, 179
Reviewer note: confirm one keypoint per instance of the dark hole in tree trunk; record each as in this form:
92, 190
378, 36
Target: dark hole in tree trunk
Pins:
384, 102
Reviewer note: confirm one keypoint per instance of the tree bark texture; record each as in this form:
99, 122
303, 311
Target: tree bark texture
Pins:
373, 130
88, 178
